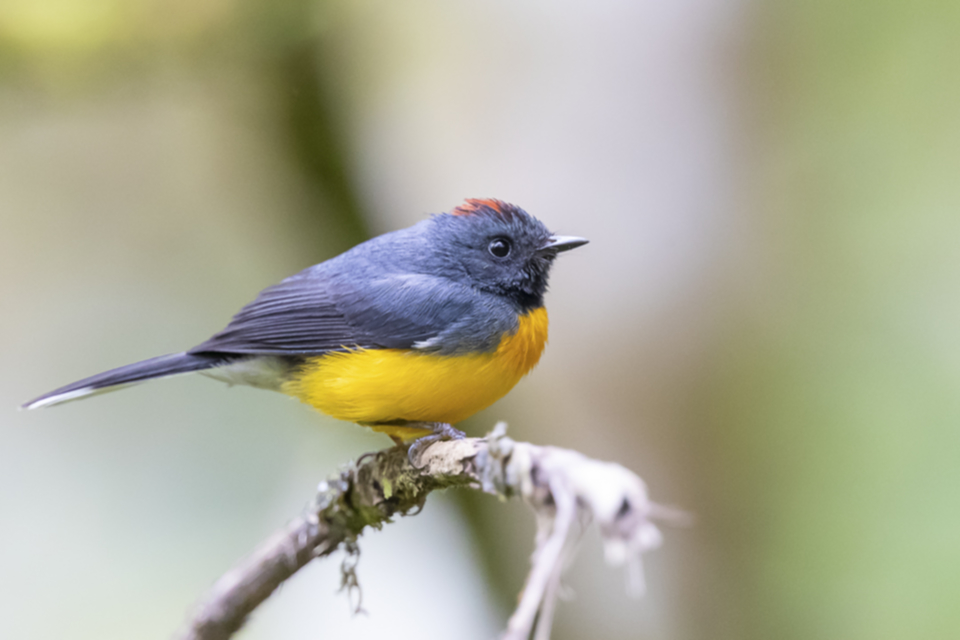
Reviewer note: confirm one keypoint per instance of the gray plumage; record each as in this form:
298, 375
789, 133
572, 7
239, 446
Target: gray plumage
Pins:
436, 286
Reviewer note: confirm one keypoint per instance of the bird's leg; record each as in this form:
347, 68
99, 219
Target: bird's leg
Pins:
441, 431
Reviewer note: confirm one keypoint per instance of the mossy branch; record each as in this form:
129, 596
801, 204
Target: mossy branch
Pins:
563, 487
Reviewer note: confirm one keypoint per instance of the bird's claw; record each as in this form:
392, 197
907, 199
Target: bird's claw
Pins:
441, 431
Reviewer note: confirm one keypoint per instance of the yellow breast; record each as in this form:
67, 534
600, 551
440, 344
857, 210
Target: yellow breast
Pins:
394, 385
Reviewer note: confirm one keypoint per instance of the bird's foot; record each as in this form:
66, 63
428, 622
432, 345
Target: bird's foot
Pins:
441, 431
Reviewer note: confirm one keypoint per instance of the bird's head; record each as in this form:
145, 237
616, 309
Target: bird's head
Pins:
500, 248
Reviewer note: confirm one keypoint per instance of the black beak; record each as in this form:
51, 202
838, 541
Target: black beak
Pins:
556, 244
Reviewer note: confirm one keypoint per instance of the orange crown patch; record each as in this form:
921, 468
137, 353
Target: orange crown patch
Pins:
485, 206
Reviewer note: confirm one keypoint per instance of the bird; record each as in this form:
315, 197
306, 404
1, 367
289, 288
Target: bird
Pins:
407, 333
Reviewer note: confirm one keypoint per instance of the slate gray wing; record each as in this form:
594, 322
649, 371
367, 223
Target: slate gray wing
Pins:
310, 315
296, 317
427, 313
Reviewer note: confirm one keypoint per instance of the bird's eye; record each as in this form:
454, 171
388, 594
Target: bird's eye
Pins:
499, 247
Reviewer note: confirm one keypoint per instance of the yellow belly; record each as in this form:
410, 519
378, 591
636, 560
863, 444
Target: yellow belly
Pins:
394, 385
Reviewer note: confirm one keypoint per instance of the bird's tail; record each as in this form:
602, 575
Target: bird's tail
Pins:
160, 367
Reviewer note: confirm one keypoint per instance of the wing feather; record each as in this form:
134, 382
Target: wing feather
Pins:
309, 314
296, 317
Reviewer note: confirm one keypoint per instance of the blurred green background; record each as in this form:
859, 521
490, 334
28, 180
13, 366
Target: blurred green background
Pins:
766, 325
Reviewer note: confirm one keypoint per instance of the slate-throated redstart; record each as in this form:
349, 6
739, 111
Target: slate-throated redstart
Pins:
408, 332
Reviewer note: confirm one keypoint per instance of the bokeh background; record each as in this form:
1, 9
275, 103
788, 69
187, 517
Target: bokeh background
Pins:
765, 326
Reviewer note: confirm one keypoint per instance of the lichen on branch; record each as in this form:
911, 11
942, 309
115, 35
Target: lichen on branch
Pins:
564, 488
